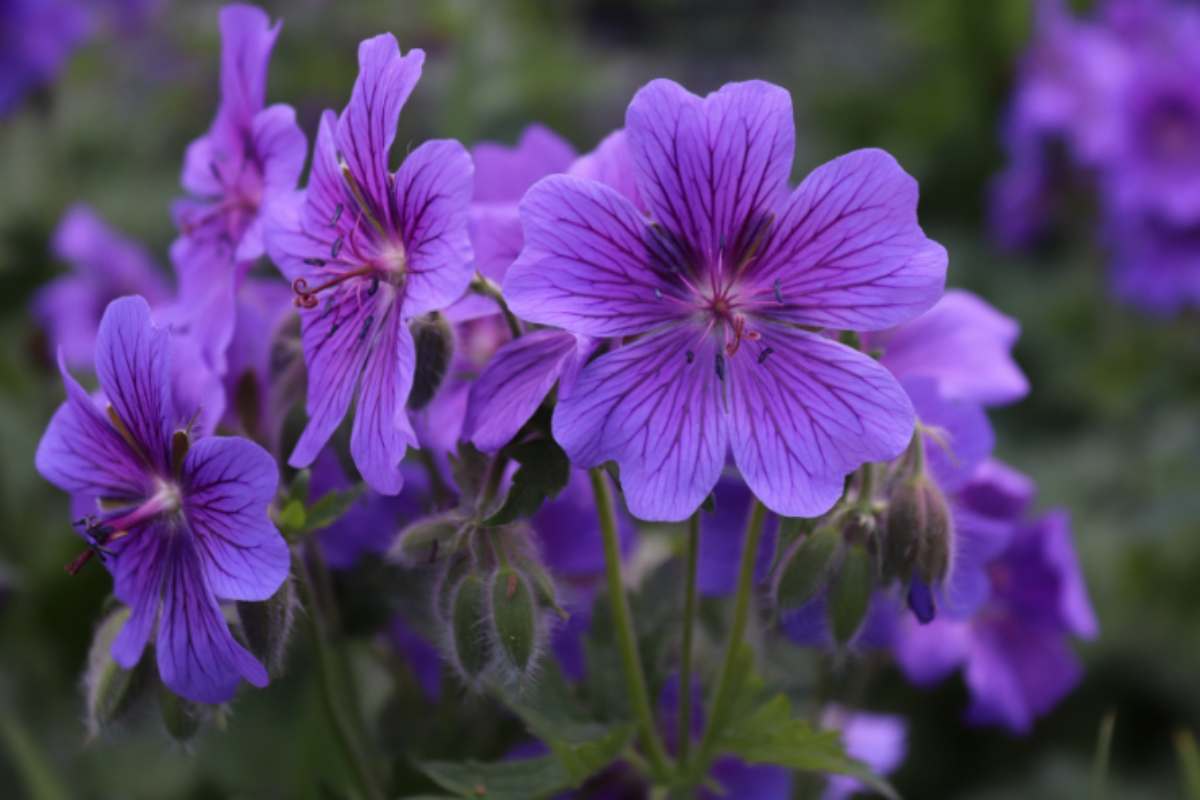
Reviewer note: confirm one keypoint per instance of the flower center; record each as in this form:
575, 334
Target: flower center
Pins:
100, 532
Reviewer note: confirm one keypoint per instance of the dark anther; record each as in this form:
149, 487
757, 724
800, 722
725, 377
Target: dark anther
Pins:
336, 248
315, 262
765, 354
690, 356
778, 291
374, 287
720, 365
366, 327
657, 293
337, 214
216, 173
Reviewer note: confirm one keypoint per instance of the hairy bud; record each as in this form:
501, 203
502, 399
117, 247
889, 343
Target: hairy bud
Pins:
805, 568
850, 593
434, 343
182, 718
427, 539
469, 646
918, 535
110, 691
268, 625
514, 621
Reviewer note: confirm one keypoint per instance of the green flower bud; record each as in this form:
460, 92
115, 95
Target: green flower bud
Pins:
918, 534
850, 593
805, 568
181, 717
267, 625
470, 649
514, 620
109, 690
434, 344
427, 539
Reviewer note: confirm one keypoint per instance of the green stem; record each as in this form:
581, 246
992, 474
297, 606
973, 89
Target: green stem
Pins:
635, 680
722, 695
485, 287
346, 731
689, 622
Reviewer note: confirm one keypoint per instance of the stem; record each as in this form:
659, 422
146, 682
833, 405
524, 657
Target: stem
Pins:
741, 612
635, 680
346, 731
485, 287
689, 622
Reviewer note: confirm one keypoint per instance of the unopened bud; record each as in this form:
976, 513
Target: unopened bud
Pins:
427, 539
514, 619
918, 532
806, 567
850, 593
181, 717
433, 339
471, 651
109, 690
268, 625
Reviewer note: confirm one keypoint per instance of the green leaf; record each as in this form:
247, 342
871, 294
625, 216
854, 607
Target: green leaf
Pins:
806, 569
330, 508
525, 779
769, 734
1189, 763
469, 469
427, 539
850, 594
291, 519
544, 473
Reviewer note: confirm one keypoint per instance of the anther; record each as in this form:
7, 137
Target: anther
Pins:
307, 298
720, 366
366, 327
657, 293
690, 356
337, 214
336, 247
216, 173
765, 354
315, 262
779, 291
374, 287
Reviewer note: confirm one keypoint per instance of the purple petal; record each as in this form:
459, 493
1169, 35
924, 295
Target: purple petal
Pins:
958, 437
929, 653
513, 384
433, 192
328, 210
807, 415
739, 779
568, 532
424, 661
1017, 674
707, 166
133, 365
1075, 608
137, 570
998, 491
227, 485
82, 453
382, 433
877, 740
722, 534
96, 250
280, 146
198, 658
962, 343
367, 128
502, 174
588, 265
495, 238
654, 407
208, 282
611, 163
246, 41
846, 251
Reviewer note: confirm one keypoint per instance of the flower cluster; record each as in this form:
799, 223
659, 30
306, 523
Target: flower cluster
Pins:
512, 331
1112, 99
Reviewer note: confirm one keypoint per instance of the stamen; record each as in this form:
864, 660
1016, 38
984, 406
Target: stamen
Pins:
690, 356
307, 298
315, 262
765, 354
374, 287
778, 287
720, 366
657, 293
336, 247
337, 214
216, 172
366, 327
359, 198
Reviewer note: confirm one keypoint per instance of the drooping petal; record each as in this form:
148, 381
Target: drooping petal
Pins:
964, 344
611, 163
1017, 673
107, 257
382, 432
707, 166
198, 658
247, 37
1074, 607
513, 384
68, 311
133, 365
929, 653
82, 453
958, 437
654, 407
589, 264
367, 128
722, 534
502, 174
227, 485
433, 192
335, 350
846, 251
808, 413
138, 569
208, 282
280, 146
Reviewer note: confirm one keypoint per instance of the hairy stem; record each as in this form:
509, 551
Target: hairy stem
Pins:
631, 663
691, 555
722, 694
486, 287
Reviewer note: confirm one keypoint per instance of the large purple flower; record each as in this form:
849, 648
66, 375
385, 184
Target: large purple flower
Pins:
250, 158
105, 265
367, 250
183, 527
715, 286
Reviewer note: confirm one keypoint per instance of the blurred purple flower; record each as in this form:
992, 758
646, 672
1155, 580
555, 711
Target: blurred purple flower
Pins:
366, 251
183, 530
105, 265
36, 38
877, 740
1155, 266
717, 283
249, 159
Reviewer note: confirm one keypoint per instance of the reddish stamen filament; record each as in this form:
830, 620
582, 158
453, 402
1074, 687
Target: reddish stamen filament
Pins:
307, 298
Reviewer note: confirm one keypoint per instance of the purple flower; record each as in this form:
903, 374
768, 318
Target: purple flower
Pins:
36, 38
714, 285
263, 306
105, 266
1155, 266
877, 740
183, 527
1015, 653
367, 250
249, 159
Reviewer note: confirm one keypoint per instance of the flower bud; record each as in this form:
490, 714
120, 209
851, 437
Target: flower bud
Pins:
109, 690
268, 625
918, 535
427, 539
514, 620
181, 717
470, 649
850, 593
433, 339
805, 568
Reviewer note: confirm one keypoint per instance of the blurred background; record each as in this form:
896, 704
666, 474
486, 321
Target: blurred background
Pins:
1111, 429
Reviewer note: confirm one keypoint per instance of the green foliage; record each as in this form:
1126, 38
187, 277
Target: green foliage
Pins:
850, 594
543, 474
806, 569
296, 519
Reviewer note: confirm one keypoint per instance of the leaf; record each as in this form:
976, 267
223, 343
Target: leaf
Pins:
330, 508
544, 473
805, 570
523, 779
850, 594
291, 518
